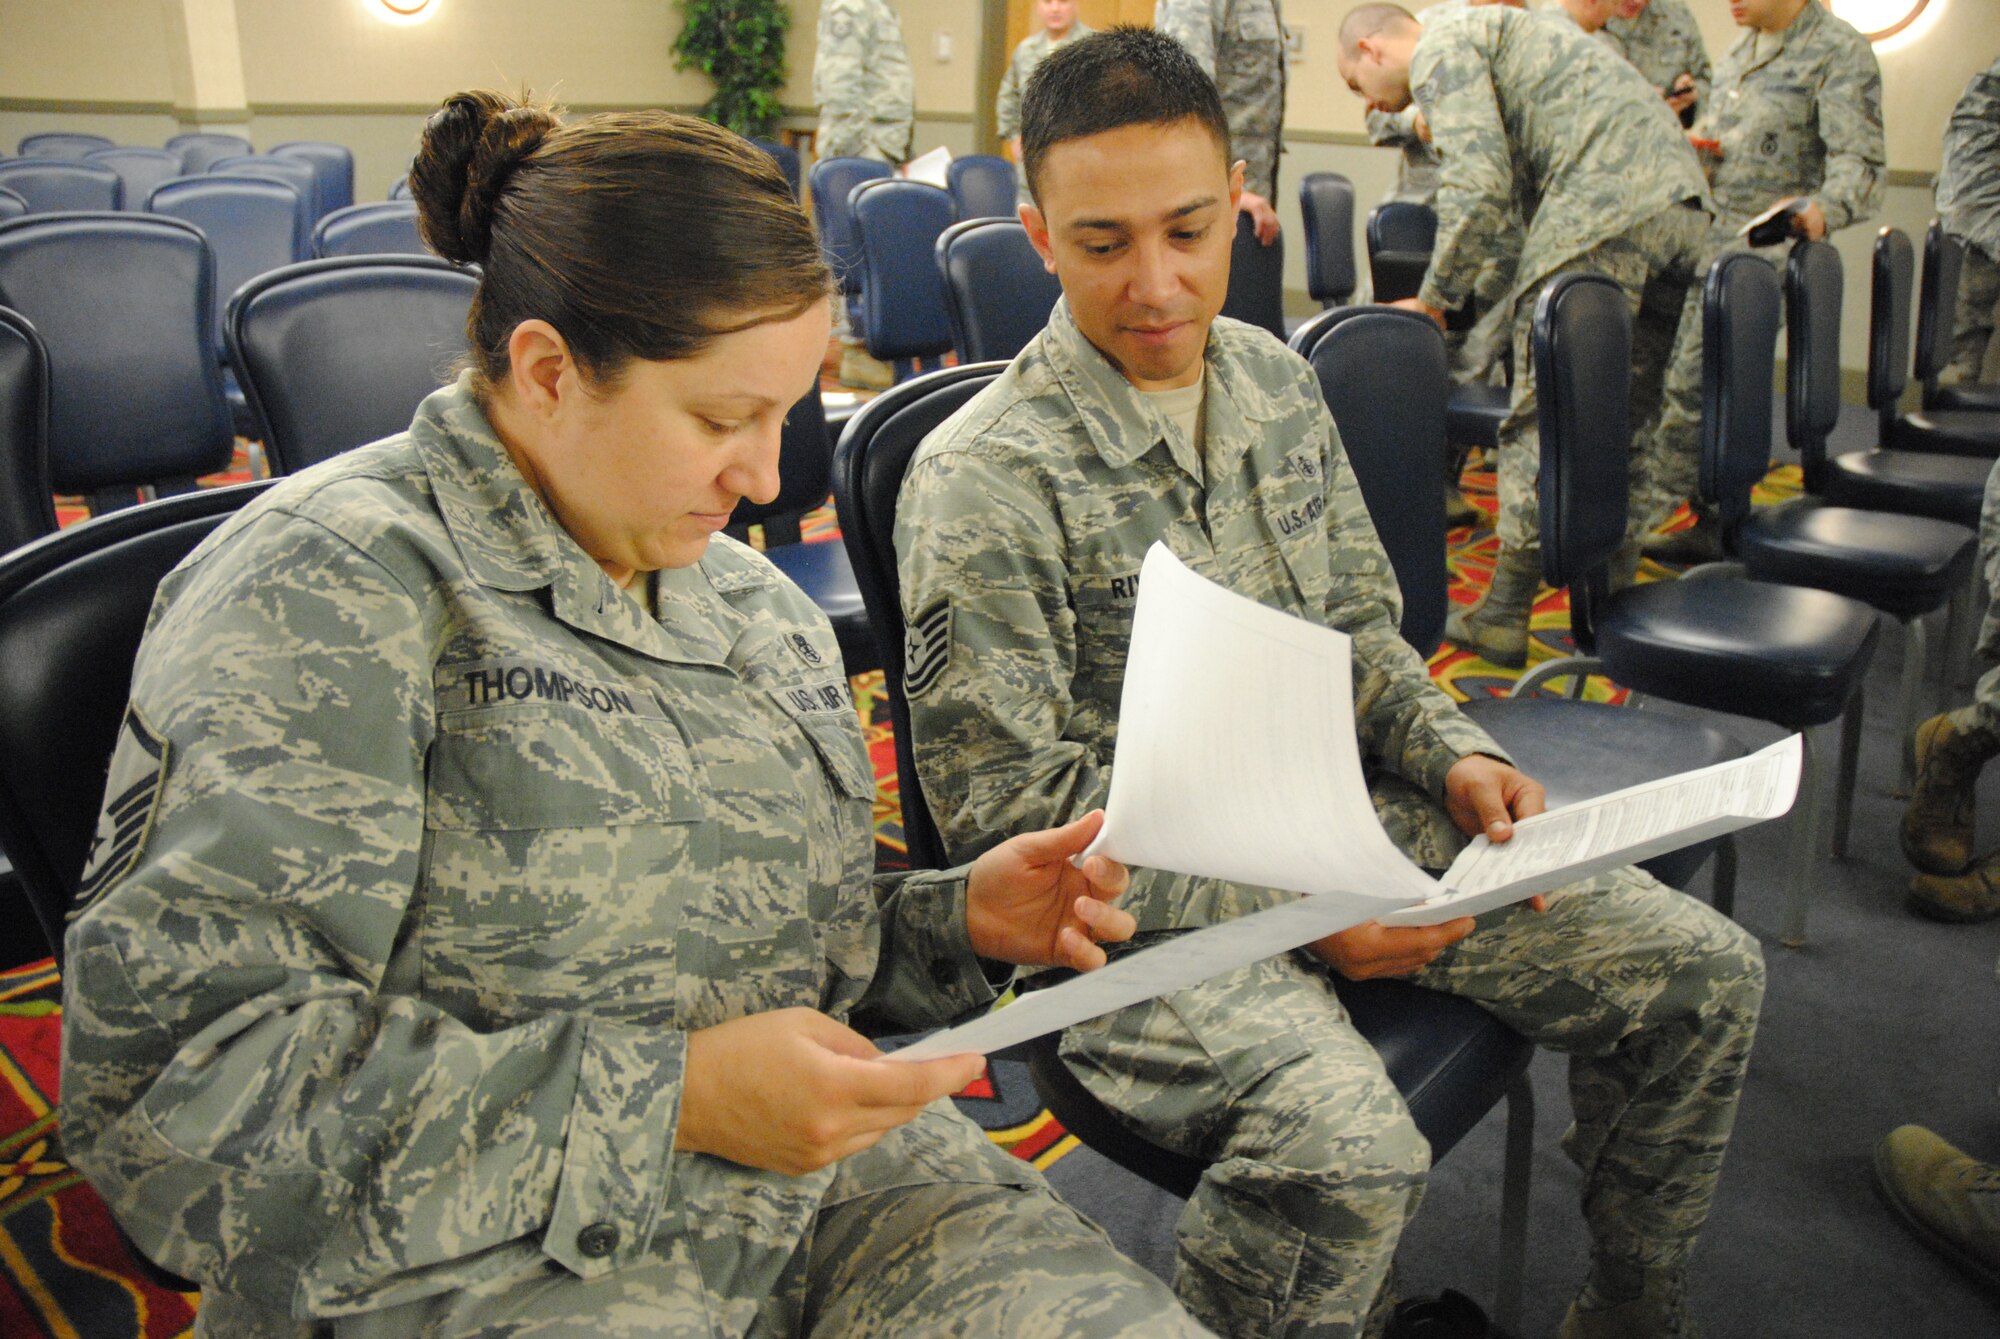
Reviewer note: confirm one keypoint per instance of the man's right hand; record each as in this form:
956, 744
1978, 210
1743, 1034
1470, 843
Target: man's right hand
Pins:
793, 1091
1372, 949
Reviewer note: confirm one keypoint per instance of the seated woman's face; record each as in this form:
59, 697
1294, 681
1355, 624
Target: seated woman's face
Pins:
643, 474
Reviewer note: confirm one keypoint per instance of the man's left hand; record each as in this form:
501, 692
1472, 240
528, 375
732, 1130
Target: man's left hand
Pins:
1026, 903
1262, 216
1484, 796
1682, 95
1419, 305
1810, 222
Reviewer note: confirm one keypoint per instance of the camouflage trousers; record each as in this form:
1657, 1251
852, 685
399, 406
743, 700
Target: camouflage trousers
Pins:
1672, 449
1982, 716
1978, 298
1314, 1162
1655, 263
925, 1259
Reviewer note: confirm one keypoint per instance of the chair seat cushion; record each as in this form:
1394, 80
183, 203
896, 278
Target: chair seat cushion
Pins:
1474, 413
824, 574
1921, 483
1956, 432
1902, 565
1967, 395
1580, 750
1774, 653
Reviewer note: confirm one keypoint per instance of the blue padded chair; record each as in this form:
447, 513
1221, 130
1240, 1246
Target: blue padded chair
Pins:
1937, 315
140, 169
1450, 1059
253, 225
1400, 237
822, 570
1905, 566
1921, 483
787, 159
27, 511
333, 354
333, 172
63, 144
201, 148
897, 224
833, 180
297, 173
12, 206
1256, 279
399, 189
1783, 654
62, 186
1326, 203
123, 302
1383, 373
983, 186
387, 227
997, 291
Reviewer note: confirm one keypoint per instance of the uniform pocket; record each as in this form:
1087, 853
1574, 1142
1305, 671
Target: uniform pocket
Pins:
825, 714
528, 766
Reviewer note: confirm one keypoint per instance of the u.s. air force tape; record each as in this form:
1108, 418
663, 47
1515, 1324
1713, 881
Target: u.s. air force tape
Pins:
927, 647
131, 799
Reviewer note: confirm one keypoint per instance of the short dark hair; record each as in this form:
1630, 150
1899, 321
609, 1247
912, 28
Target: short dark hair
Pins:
1123, 76
637, 235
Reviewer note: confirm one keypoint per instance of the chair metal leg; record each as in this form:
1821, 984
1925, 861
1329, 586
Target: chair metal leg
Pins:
1722, 894
1807, 815
1916, 652
1580, 666
1516, 1176
1956, 611
1850, 767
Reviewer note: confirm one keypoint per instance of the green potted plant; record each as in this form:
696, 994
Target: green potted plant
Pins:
740, 44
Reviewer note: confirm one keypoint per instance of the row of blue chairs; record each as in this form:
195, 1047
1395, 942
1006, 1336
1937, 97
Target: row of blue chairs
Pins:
322, 172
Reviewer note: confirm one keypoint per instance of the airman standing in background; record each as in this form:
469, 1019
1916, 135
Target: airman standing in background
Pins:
1968, 200
1241, 45
1663, 42
1059, 24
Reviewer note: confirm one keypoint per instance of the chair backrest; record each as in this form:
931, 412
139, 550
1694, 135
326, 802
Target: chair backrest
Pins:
253, 225
787, 159
399, 189
140, 169
1937, 304
897, 224
1400, 237
200, 148
997, 292
1387, 380
73, 608
123, 303
62, 144
333, 354
868, 467
386, 227
12, 206
1892, 268
1582, 347
333, 171
1256, 279
983, 186
1326, 202
1741, 306
1813, 282
27, 511
297, 173
805, 475
61, 186
833, 180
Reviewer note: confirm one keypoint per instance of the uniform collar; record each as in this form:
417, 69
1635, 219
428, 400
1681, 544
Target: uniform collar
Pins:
1800, 29
1123, 424
506, 536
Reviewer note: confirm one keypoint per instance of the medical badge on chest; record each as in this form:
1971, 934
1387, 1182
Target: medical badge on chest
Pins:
803, 648
131, 799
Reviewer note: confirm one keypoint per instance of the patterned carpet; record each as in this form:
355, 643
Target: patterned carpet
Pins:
65, 1273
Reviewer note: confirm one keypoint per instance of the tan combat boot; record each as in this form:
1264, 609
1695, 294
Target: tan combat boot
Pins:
1496, 627
1658, 1312
1960, 899
1947, 1198
1699, 543
1938, 826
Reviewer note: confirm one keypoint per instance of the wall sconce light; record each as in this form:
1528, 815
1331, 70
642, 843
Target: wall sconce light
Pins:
403, 11
1887, 23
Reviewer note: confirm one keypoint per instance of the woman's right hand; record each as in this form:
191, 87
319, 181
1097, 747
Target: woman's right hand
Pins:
793, 1091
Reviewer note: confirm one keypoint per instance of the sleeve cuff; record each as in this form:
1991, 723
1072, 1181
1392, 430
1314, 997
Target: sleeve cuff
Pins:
618, 1151
1453, 738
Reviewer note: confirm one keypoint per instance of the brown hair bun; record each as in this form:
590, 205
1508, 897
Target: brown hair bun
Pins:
471, 146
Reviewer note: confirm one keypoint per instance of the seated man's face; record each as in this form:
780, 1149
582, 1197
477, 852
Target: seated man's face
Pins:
1137, 224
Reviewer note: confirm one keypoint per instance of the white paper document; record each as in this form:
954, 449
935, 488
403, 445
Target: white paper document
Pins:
929, 166
1237, 759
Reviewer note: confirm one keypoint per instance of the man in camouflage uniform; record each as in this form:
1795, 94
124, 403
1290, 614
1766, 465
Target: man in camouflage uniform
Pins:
1534, 118
1968, 200
1139, 417
431, 860
1059, 25
862, 82
1240, 44
1417, 174
1663, 42
1795, 114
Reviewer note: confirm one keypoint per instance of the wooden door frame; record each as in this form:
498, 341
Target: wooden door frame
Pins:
993, 58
